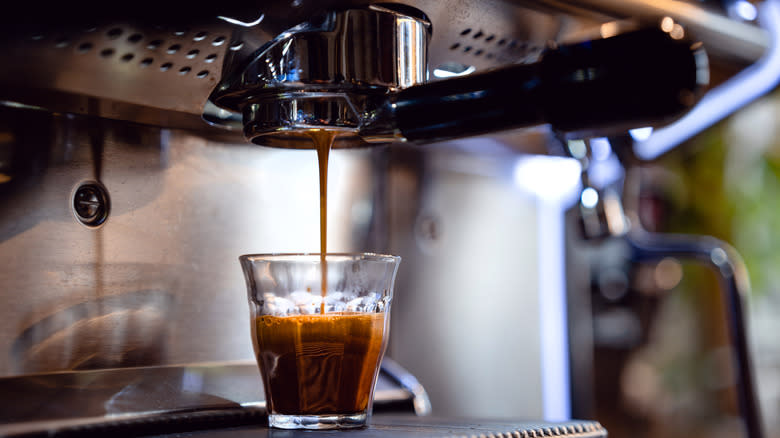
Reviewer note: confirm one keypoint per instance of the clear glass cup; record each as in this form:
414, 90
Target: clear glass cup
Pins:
319, 353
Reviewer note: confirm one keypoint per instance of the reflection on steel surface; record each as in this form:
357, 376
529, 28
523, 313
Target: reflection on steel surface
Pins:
158, 283
129, 329
230, 393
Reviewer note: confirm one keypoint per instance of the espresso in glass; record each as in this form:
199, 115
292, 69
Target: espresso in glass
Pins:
319, 364
319, 369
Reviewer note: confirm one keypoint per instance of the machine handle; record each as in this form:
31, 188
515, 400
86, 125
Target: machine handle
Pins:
728, 265
634, 79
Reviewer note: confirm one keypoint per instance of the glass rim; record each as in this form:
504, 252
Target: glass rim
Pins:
315, 257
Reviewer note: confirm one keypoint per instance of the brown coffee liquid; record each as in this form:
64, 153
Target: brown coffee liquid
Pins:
319, 364
323, 141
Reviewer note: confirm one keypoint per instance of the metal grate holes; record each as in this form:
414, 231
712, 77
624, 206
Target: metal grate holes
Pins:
84, 48
146, 62
114, 33
211, 57
200, 36
519, 47
479, 35
173, 49
218, 41
107, 53
127, 57
192, 53
134, 38
167, 66
184, 70
180, 32
236, 46
154, 44
202, 74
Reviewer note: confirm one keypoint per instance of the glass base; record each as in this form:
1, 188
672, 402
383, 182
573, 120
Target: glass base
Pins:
336, 421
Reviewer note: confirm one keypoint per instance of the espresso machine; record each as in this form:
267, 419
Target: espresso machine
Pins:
142, 152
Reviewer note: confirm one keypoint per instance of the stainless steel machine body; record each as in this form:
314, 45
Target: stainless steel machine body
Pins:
124, 212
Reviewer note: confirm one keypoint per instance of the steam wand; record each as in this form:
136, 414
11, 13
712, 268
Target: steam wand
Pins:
604, 216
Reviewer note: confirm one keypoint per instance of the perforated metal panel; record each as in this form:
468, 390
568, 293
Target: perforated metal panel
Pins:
162, 74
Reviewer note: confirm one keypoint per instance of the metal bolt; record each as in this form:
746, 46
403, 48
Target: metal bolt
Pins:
91, 204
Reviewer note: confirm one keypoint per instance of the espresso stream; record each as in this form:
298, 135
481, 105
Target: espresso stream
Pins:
323, 141
319, 364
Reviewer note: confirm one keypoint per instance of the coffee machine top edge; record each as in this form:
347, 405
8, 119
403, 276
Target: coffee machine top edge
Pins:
160, 67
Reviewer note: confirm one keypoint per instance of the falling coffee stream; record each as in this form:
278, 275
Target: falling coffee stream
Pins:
323, 140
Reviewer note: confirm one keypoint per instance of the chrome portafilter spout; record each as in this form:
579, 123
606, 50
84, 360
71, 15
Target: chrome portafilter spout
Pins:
363, 72
333, 73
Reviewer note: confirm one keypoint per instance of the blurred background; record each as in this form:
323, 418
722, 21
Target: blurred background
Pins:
663, 364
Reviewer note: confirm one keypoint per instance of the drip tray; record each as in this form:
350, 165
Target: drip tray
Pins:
406, 426
145, 400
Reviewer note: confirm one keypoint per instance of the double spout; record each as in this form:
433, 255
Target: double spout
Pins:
363, 72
